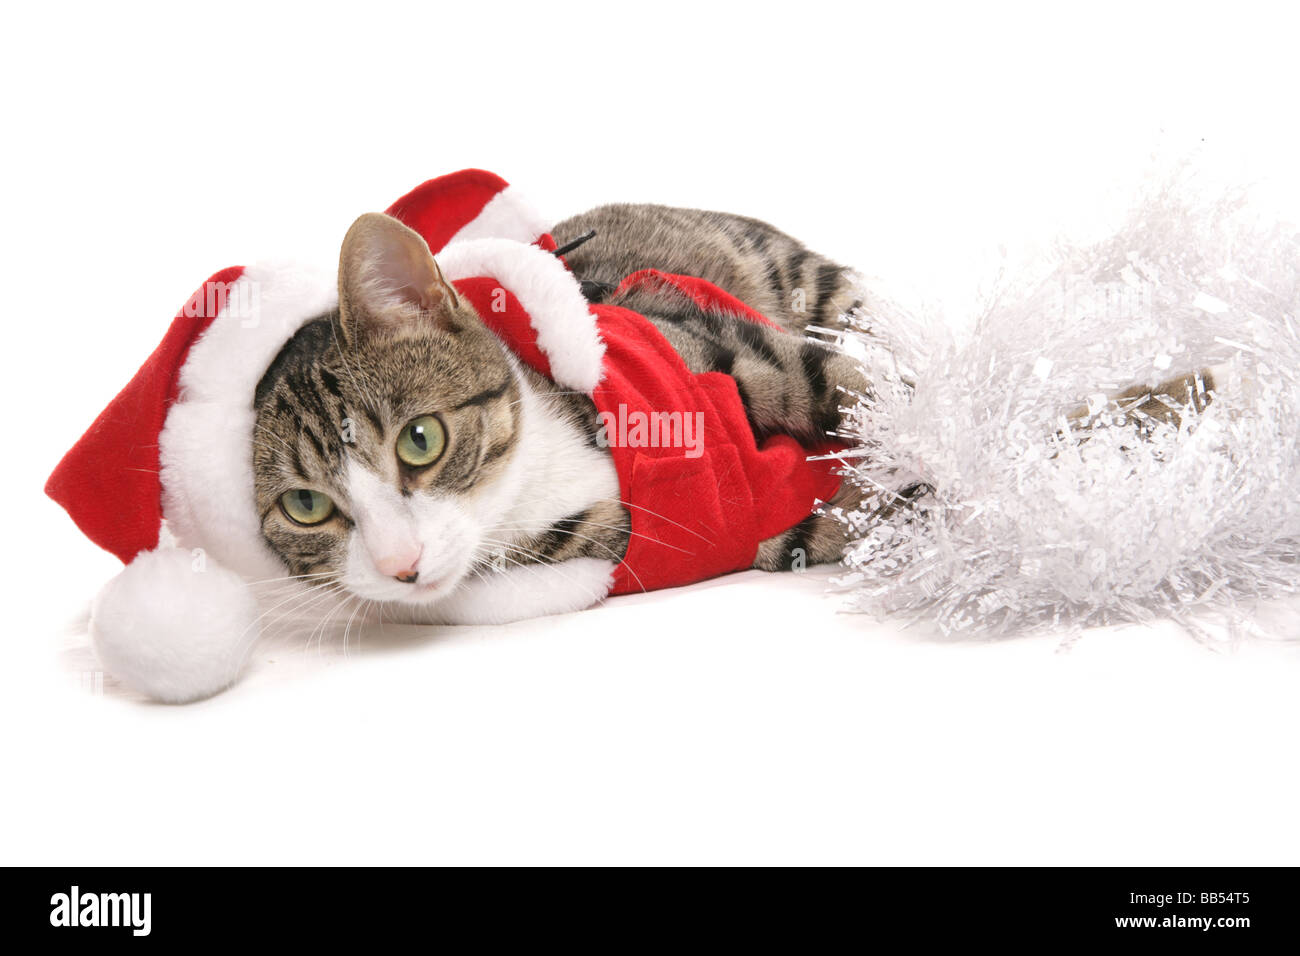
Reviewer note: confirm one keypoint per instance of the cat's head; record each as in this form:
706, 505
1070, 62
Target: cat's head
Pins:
385, 432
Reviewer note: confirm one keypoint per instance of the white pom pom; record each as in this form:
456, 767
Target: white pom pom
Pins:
174, 625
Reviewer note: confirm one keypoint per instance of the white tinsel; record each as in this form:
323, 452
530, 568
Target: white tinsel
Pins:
1035, 519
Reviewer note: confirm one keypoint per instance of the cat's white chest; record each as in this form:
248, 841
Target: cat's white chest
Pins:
559, 472
556, 473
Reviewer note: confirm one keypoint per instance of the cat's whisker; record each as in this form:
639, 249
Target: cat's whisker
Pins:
316, 626
321, 631
350, 608
536, 565
665, 518
597, 524
517, 549
532, 566
535, 559
322, 626
292, 614
361, 624
348, 627
245, 644
292, 577
290, 624
613, 554
297, 594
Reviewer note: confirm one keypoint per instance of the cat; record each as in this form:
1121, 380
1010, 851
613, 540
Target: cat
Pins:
402, 455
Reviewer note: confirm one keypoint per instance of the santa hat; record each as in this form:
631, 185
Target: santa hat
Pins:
163, 478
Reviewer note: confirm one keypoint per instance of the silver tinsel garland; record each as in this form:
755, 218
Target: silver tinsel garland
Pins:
1019, 477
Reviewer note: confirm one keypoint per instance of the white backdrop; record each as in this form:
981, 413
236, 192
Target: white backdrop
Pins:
743, 720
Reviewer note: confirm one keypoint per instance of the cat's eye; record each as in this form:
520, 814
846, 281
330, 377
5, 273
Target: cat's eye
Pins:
305, 506
422, 441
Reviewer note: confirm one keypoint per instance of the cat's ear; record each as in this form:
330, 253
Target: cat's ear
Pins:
389, 282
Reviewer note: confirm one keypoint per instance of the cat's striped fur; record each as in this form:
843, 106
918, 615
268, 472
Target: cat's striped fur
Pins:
522, 463
789, 383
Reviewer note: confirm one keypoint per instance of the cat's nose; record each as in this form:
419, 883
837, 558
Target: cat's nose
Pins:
400, 566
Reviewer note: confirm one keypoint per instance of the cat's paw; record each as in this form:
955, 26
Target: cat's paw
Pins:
530, 590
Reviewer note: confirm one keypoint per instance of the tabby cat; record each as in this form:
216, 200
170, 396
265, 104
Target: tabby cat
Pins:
403, 454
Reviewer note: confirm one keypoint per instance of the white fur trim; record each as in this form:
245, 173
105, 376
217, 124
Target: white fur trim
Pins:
507, 215
174, 625
566, 327
206, 442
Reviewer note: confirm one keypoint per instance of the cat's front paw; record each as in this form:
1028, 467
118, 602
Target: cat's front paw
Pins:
529, 590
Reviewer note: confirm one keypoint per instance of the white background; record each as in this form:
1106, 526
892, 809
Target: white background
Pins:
743, 720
